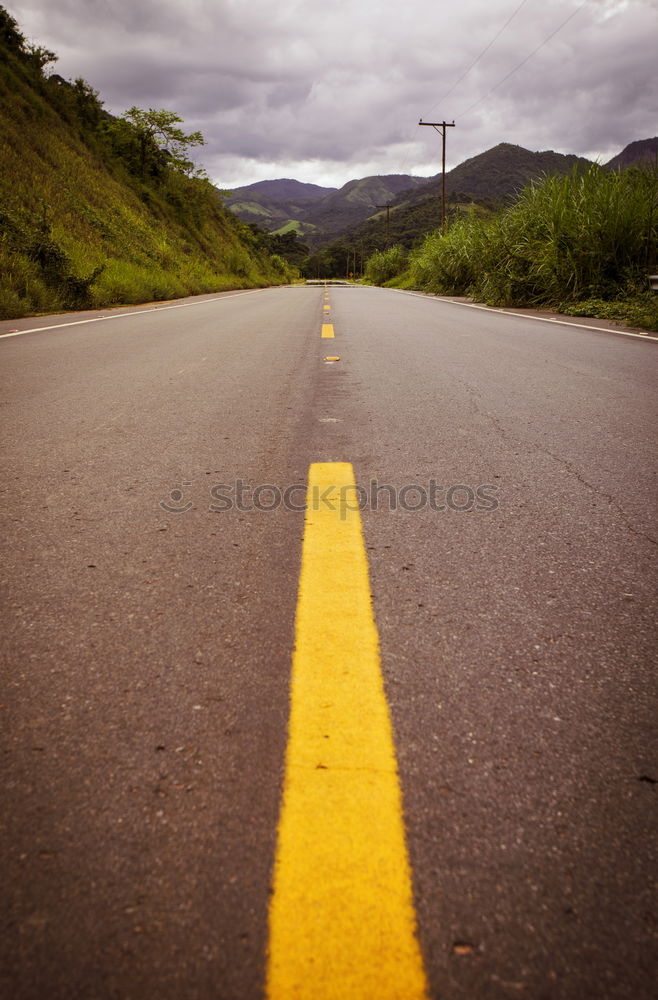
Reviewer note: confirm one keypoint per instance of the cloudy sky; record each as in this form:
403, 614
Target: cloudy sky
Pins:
329, 90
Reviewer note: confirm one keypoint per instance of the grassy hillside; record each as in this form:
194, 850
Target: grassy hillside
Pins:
301, 228
84, 220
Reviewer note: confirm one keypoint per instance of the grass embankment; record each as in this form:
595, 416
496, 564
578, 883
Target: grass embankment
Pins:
581, 244
83, 224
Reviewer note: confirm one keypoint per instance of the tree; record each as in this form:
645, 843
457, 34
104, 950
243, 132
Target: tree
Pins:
158, 132
88, 104
10, 33
41, 56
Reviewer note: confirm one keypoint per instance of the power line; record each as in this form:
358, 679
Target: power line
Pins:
523, 61
475, 62
483, 53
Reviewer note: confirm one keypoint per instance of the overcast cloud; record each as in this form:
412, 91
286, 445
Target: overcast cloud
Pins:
329, 90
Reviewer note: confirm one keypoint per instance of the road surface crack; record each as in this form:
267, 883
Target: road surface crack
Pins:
512, 439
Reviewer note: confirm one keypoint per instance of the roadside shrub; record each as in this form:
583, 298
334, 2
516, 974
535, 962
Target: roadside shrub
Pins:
385, 265
448, 264
640, 310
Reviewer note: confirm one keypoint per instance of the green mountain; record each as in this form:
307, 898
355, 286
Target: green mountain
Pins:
93, 212
358, 200
492, 177
276, 205
318, 212
284, 189
478, 184
501, 172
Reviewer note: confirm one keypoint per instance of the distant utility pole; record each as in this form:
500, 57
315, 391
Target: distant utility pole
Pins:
441, 127
388, 217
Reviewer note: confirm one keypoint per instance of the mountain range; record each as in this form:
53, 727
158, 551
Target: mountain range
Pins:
319, 214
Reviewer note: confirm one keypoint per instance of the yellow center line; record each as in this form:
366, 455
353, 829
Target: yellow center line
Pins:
342, 923
327, 330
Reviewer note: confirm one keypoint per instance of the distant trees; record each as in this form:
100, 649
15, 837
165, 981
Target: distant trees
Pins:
335, 260
285, 245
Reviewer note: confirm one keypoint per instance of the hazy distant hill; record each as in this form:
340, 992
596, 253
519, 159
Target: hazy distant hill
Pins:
284, 189
276, 204
642, 151
358, 200
324, 213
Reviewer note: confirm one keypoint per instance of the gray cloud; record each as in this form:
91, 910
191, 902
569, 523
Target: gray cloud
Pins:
327, 92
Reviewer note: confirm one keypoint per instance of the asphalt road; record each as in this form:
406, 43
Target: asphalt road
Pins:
146, 651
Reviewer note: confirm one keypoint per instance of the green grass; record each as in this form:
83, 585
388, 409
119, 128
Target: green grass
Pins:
294, 226
640, 310
252, 207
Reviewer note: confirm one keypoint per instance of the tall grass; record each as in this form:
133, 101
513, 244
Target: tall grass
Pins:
385, 265
590, 235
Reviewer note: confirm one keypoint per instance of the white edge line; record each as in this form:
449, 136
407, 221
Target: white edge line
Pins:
539, 319
135, 312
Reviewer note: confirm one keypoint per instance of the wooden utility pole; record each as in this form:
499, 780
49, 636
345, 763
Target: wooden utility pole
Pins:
441, 127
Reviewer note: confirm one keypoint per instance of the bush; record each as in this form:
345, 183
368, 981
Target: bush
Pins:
385, 265
449, 263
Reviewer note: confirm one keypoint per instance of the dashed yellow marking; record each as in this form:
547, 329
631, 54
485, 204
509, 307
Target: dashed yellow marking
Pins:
327, 330
342, 923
